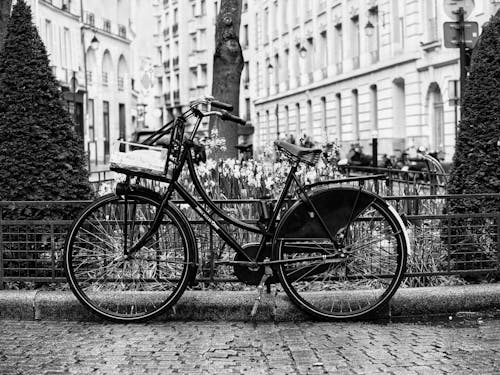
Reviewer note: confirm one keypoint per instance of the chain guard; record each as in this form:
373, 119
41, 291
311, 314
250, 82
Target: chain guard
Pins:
246, 274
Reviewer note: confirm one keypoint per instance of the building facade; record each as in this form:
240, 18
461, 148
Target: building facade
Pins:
349, 71
95, 50
186, 43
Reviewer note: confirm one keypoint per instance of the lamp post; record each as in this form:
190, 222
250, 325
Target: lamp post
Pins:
454, 98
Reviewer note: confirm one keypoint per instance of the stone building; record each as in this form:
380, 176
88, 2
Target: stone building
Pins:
352, 70
95, 49
186, 42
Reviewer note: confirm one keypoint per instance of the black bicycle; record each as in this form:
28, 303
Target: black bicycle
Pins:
338, 252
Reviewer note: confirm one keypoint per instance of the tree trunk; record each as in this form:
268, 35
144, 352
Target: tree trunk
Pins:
5, 6
228, 64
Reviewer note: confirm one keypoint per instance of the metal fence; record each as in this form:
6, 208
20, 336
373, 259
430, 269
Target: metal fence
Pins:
445, 247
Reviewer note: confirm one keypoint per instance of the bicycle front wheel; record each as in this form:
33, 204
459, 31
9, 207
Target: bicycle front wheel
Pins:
351, 275
121, 288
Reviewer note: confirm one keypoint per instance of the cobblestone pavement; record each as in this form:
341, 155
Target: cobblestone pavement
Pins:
244, 348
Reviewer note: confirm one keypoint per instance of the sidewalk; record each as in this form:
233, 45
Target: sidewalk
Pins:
236, 306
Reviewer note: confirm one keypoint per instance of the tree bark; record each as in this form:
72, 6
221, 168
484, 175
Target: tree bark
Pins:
5, 6
228, 65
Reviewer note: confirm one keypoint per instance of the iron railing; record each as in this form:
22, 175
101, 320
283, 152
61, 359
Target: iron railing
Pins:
443, 245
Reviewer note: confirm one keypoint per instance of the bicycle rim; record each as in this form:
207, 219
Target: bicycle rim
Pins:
122, 289
350, 278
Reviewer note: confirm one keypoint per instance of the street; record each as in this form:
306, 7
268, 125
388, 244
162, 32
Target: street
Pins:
466, 347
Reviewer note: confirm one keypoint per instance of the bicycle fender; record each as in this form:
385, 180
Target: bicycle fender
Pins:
336, 206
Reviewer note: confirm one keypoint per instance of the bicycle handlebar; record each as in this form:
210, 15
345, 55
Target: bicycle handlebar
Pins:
226, 116
221, 105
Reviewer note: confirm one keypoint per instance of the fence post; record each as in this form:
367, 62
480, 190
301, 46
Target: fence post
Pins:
498, 241
1, 249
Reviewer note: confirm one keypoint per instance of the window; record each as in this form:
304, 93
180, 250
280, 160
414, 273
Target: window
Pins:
90, 19
266, 25
246, 76
105, 124
431, 21
204, 75
194, 77
66, 53
323, 50
203, 8
247, 109
122, 31
355, 41
106, 25
324, 117
90, 110
66, 5
193, 10
339, 48
338, 100
284, 16
297, 118
245, 36
355, 115
194, 43
287, 120
309, 118
374, 38
374, 107
49, 36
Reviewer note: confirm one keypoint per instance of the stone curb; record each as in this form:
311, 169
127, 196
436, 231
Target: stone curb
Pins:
236, 306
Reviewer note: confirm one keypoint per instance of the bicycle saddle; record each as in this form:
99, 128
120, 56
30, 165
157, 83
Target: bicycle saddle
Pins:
307, 155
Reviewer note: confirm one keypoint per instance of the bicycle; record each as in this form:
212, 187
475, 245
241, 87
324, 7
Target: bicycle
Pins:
338, 252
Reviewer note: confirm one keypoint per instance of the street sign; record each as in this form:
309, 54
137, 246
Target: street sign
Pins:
452, 34
451, 8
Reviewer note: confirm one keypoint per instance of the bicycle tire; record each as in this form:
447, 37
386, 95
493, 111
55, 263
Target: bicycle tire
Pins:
355, 275
136, 289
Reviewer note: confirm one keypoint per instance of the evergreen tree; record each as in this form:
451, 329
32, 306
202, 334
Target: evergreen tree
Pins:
476, 163
41, 156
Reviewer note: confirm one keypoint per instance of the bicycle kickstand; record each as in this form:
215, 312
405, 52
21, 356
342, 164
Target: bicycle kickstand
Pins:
267, 273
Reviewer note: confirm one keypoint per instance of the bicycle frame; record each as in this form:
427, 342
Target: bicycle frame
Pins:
267, 232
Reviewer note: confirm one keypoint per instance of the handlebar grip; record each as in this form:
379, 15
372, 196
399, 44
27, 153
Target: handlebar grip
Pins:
226, 116
221, 105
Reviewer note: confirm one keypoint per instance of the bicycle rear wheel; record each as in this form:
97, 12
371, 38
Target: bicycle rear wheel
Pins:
356, 273
134, 289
